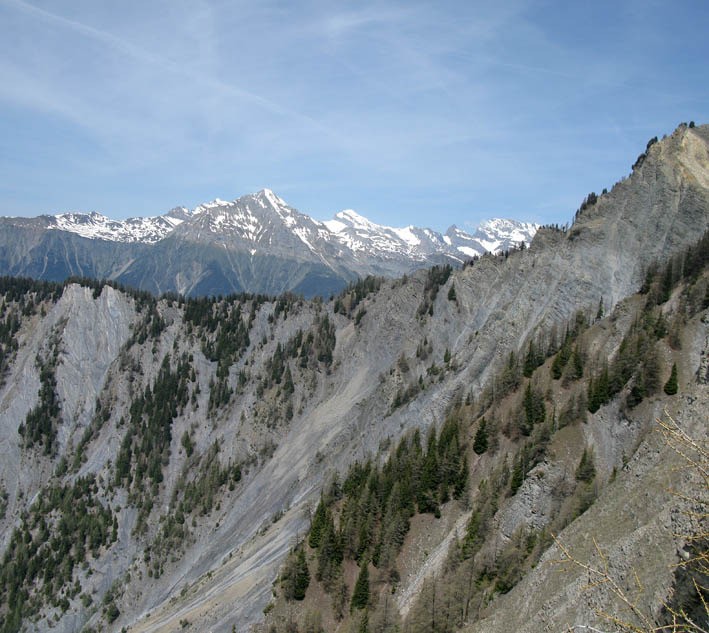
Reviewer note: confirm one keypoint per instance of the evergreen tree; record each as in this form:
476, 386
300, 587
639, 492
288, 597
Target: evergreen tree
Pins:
557, 366
534, 409
576, 364
532, 360
517, 476
317, 525
296, 576
360, 594
671, 384
480, 441
330, 553
302, 578
586, 470
599, 390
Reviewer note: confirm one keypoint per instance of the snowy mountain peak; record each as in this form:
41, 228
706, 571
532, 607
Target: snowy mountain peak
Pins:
499, 233
272, 198
354, 219
491, 236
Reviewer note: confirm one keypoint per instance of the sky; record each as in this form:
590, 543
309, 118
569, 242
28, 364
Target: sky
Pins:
424, 113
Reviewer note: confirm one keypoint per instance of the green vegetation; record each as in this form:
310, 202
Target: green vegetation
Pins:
223, 329
42, 421
360, 593
20, 298
196, 493
102, 413
670, 387
436, 277
480, 443
146, 444
347, 301
366, 519
311, 350
637, 364
3, 502
586, 470
295, 578
65, 525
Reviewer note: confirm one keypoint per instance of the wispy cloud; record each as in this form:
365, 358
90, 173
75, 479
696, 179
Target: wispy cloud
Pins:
391, 107
193, 80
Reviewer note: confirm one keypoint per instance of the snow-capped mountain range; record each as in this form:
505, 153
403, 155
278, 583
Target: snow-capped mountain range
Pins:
250, 217
223, 246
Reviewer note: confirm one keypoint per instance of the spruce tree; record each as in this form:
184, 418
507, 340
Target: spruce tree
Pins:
302, 578
360, 594
480, 441
517, 477
586, 470
317, 525
671, 384
576, 364
557, 366
296, 576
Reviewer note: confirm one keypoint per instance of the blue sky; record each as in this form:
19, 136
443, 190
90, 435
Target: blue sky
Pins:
426, 113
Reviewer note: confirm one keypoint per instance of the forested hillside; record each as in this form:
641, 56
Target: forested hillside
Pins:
530, 435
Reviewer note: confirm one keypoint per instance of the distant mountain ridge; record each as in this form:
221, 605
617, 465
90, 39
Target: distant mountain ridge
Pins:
227, 245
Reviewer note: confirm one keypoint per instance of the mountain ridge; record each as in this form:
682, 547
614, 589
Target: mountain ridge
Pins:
150, 229
260, 225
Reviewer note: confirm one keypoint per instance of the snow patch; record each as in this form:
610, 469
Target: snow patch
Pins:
407, 236
470, 252
96, 226
335, 226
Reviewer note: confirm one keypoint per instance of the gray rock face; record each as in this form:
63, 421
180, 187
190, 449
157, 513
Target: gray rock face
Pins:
340, 413
88, 334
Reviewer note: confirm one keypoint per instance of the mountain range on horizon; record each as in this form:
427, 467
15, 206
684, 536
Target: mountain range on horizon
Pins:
256, 243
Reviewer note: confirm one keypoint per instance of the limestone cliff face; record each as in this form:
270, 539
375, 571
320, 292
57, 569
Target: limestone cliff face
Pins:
109, 347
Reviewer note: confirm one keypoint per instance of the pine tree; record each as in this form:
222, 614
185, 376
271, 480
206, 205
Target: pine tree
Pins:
296, 576
531, 360
317, 525
534, 409
330, 553
517, 476
671, 384
480, 441
360, 594
586, 470
576, 364
557, 366
302, 575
